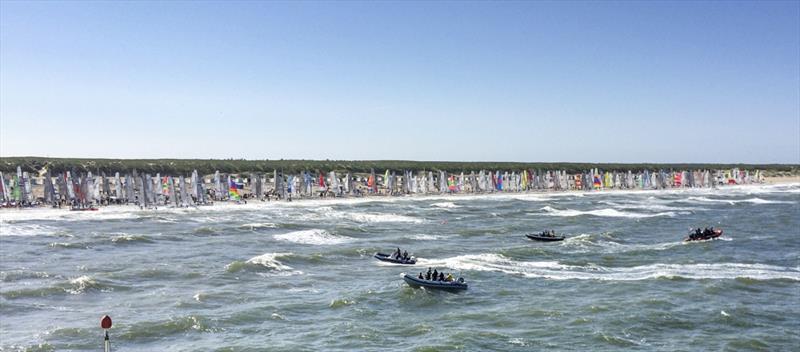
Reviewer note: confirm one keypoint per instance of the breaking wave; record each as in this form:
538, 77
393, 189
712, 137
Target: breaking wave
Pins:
258, 225
557, 271
427, 237
375, 218
11, 229
445, 205
328, 213
737, 201
75, 286
313, 236
268, 261
606, 212
127, 238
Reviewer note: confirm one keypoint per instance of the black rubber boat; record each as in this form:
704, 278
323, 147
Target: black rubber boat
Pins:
415, 282
545, 238
388, 258
705, 237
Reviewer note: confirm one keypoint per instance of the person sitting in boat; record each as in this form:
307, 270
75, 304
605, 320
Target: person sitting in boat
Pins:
435, 275
428, 274
405, 255
441, 276
449, 277
396, 254
420, 276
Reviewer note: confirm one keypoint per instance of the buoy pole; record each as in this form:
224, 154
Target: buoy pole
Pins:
105, 323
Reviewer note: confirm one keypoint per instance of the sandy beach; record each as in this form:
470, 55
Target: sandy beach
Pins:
775, 180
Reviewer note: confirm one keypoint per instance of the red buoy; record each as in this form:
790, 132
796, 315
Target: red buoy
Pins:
105, 322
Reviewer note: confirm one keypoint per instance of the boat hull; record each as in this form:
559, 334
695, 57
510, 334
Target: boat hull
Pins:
437, 285
545, 238
387, 258
715, 235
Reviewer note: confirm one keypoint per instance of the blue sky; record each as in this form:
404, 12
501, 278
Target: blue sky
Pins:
471, 81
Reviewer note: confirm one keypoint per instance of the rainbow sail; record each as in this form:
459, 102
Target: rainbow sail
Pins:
233, 191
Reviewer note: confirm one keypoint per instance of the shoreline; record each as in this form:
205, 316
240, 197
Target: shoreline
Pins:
317, 201
780, 180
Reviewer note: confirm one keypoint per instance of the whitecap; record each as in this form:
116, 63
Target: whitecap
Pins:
14, 229
605, 212
558, 271
737, 201
377, 218
258, 225
313, 236
445, 205
270, 261
426, 237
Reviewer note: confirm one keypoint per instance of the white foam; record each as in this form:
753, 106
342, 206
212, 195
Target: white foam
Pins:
586, 243
270, 260
445, 205
605, 212
737, 201
427, 237
313, 236
81, 284
557, 271
258, 225
13, 229
377, 218
649, 204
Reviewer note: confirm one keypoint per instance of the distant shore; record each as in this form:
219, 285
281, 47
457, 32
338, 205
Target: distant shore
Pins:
775, 180
209, 166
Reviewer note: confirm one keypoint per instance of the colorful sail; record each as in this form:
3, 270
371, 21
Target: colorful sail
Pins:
233, 190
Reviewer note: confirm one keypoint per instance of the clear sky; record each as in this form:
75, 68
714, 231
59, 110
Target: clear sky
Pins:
462, 81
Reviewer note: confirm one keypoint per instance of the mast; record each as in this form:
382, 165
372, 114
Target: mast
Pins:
184, 194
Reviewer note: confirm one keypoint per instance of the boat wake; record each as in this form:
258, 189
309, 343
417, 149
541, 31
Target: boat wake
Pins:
557, 271
590, 243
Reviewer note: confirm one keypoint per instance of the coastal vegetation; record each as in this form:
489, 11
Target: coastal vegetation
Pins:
209, 166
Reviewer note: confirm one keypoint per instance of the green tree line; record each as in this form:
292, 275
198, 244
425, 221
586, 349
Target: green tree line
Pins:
234, 166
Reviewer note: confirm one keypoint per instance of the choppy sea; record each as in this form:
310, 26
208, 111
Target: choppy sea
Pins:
299, 276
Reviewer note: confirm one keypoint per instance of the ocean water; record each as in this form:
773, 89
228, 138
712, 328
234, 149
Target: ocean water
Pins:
300, 276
